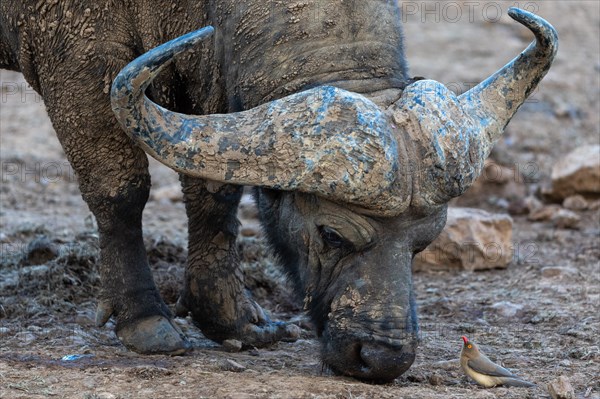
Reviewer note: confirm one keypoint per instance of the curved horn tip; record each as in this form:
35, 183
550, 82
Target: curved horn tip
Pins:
541, 28
123, 89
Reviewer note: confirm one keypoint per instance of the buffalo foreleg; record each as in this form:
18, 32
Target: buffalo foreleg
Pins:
214, 291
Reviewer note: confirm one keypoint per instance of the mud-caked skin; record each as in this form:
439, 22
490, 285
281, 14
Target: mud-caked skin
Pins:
310, 102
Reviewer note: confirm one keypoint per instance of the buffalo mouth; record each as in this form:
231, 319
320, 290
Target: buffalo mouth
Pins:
369, 360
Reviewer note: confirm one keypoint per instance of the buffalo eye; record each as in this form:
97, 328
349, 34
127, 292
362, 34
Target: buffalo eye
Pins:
331, 237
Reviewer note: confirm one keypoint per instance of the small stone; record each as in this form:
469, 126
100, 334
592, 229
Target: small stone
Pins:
473, 239
594, 205
543, 214
231, 365
40, 250
254, 352
232, 345
507, 309
449, 365
436, 379
565, 219
498, 184
561, 388
250, 229
575, 203
561, 218
565, 363
523, 206
533, 203
105, 395
577, 173
557, 271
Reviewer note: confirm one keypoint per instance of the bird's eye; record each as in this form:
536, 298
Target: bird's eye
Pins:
469, 346
331, 237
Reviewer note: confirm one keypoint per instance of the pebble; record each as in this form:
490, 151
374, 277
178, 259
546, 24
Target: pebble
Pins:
557, 271
559, 217
565, 363
561, 388
566, 219
40, 250
232, 345
447, 364
250, 228
575, 203
231, 365
436, 379
507, 309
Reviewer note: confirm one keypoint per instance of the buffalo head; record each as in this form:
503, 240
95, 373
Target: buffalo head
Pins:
349, 192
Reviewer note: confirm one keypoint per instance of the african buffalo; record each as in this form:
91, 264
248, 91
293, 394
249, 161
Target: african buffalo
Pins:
311, 103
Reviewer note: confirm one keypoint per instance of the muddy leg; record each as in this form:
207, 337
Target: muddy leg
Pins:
115, 183
214, 289
128, 290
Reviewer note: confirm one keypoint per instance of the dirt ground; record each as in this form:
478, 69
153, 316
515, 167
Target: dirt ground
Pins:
540, 326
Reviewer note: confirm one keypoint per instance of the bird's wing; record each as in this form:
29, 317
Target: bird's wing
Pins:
487, 367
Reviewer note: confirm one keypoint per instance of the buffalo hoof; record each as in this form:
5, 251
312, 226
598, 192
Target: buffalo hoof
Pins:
266, 334
261, 331
154, 335
253, 327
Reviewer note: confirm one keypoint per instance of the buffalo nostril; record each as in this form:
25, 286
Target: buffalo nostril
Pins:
386, 363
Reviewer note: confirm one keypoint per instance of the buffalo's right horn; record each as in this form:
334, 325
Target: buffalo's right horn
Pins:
454, 135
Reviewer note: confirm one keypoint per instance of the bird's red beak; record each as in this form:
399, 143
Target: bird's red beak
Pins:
465, 339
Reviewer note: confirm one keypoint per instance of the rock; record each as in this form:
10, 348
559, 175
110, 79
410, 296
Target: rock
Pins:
577, 173
498, 185
565, 219
524, 206
170, 193
594, 205
543, 214
575, 203
518, 207
232, 345
533, 203
231, 365
473, 239
561, 388
436, 379
561, 218
40, 250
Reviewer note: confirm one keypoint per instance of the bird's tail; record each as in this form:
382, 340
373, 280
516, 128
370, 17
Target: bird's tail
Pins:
516, 382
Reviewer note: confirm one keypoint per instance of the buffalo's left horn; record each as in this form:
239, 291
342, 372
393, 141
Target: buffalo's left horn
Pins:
454, 135
325, 141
